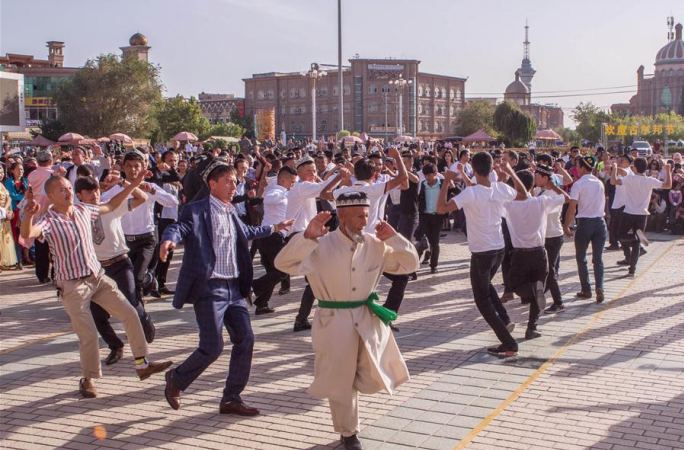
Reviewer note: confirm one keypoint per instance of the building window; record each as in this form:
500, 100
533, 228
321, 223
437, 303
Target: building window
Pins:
335, 92
372, 107
372, 89
427, 91
347, 90
283, 93
260, 94
269, 93
420, 90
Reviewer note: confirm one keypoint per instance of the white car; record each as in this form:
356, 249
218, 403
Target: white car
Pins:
643, 148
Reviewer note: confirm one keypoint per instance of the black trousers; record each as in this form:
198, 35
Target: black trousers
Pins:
141, 251
395, 295
506, 262
553, 248
122, 274
483, 267
264, 285
408, 222
432, 226
528, 267
614, 225
163, 266
42, 260
629, 225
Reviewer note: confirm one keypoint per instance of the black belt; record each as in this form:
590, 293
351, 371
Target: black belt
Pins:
114, 260
589, 218
139, 237
528, 250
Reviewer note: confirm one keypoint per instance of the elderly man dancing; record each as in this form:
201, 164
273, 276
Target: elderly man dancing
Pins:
354, 347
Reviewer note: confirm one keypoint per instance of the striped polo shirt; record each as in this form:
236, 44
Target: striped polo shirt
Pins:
71, 241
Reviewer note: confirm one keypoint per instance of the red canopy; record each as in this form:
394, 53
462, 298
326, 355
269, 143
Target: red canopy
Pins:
479, 136
41, 141
547, 135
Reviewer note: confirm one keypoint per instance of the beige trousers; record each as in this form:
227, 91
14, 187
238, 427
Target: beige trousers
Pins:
345, 413
76, 297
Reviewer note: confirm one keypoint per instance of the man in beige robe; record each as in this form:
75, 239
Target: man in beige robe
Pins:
355, 350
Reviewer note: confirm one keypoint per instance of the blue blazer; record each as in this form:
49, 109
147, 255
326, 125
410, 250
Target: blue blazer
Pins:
195, 229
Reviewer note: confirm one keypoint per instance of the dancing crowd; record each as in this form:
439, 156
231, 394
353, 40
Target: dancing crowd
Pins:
102, 223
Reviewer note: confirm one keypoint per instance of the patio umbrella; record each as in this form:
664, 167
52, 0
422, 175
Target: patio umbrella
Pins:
120, 137
185, 136
352, 139
401, 139
70, 137
479, 136
104, 139
40, 141
547, 135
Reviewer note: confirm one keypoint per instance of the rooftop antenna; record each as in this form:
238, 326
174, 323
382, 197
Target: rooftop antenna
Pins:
670, 26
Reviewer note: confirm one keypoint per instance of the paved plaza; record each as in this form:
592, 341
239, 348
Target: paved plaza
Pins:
605, 376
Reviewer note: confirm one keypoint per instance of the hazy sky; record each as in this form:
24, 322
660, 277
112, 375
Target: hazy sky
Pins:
210, 45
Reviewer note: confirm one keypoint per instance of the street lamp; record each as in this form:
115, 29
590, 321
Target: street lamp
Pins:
400, 83
314, 74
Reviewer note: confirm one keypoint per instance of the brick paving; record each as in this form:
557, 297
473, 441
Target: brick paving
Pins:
604, 376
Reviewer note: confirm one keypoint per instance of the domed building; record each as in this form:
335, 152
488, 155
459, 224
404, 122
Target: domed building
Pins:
662, 91
517, 91
138, 48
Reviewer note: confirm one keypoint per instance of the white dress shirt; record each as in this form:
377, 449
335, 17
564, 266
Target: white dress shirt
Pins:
275, 205
638, 190
114, 242
554, 225
619, 199
590, 195
301, 203
141, 219
527, 219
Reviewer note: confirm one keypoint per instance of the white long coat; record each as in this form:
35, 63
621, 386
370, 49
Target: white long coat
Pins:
354, 349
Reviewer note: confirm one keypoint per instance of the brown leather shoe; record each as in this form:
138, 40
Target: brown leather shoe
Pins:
239, 408
152, 368
87, 388
171, 391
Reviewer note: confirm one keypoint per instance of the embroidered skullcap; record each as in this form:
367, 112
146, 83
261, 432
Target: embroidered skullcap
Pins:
352, 198
304, 160
544, 170
588, 161
213, 165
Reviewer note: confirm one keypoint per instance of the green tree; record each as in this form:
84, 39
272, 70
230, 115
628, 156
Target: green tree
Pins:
225, 129
177, 114
589, 119
516, 127
569, 136
476, 115
51, 129
342, 134
109, 95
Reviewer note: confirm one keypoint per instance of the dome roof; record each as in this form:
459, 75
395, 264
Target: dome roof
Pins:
517, 87
673, 51
138, 39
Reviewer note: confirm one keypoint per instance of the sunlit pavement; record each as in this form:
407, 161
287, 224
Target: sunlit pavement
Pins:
605, 376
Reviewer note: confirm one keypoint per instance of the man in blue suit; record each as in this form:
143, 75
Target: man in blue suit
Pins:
215, 278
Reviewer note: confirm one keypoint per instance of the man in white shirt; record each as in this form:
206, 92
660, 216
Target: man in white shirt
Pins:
588, 202
638, 189
618, 205
553, 237
376, 192
112, 252
483, 204
138, 225
527, 217
301, 207
275, 207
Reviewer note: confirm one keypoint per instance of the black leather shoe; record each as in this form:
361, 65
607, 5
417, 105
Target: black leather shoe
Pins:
239, 408
114, 356
166, 291
263, 310
532, 334
351, 442
284, 291
583, 294
302, 325
623, 262
149, 329
393, 328
433, 270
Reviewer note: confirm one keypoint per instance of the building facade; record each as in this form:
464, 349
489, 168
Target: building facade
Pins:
429, 103
663, 90
43, 76
219, 108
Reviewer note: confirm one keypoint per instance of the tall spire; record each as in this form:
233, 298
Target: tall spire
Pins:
526, 71
526, 43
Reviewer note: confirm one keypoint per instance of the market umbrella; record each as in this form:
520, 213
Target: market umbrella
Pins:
352, 139
70, 137
40, 141
400, 139
185, 136
479, 136
104, 139
120, 137
547, 135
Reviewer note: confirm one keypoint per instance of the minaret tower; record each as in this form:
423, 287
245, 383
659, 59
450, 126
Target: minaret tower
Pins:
526, 71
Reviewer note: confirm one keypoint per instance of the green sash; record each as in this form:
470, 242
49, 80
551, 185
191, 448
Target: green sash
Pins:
384, 314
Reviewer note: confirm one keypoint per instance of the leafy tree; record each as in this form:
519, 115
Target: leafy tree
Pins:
51, 129
589, 118
569, 136
224, 129
474, 116
109, 95
342, 134
516, 127
177, 114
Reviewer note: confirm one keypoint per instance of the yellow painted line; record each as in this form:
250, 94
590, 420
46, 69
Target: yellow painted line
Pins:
463, 443
48, 337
